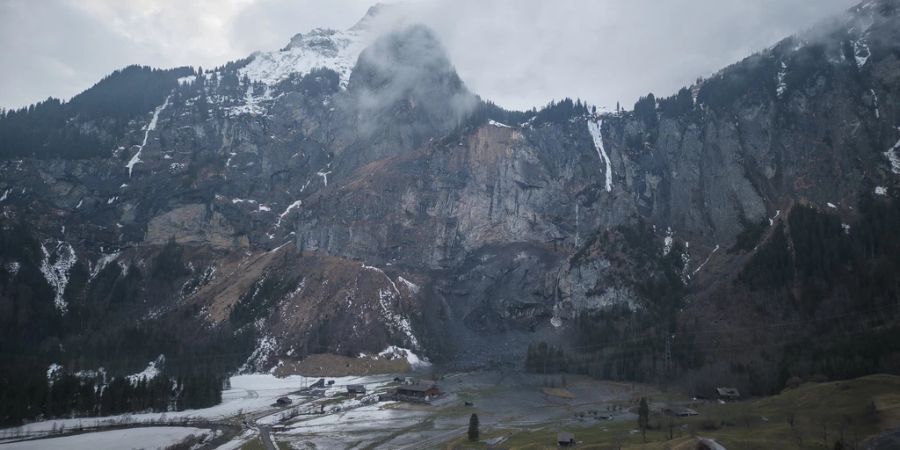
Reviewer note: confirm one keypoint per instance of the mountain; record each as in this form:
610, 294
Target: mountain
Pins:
348, 193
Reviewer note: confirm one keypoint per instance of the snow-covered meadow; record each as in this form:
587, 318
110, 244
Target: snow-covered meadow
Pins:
147, 437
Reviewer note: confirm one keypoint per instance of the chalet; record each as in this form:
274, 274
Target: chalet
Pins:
356, 389
565, 439
728, 393
421, 392
283, 401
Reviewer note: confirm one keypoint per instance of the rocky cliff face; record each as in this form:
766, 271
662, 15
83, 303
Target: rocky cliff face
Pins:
340, 197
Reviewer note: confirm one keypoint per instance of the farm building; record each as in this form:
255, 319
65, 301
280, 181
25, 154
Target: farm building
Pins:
728, 393
356, 389
418, 392
565, 439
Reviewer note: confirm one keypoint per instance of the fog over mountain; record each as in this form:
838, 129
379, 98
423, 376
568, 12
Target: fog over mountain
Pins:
517, 53
365, 234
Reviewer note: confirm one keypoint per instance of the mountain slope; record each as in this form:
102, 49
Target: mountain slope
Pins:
347, 193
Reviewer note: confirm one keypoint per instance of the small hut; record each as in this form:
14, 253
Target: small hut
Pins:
565, 439
420, 392
728, 393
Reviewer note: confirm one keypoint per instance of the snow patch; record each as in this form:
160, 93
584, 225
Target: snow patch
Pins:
893, 158
265, 348
102, 262
252, 106
880, 190
394, 352
875, 103
395, 320
706, 261
99, 374
190, 79
324, 176
686, 264
782, 83
287, 210
13, 267
152, 370
831, 205
556, 321
595, 129
297, 290
498, 124
667, 242
5, 194
53, 371
55, 269
150, 127
414, 288
144, 437
861, 52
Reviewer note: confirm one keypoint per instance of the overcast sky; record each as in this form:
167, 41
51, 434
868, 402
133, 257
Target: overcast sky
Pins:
518, 53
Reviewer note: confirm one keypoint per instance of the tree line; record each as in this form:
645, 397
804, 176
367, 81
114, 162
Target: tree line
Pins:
71, 395
57, 129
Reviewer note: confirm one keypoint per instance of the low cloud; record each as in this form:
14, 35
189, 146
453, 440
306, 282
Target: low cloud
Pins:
518, 53
409, 65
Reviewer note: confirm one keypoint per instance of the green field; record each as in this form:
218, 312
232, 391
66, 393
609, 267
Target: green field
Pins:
812, 416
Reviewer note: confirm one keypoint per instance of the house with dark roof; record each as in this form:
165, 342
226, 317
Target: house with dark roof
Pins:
356, 389
728, 393
419, 392
565, 439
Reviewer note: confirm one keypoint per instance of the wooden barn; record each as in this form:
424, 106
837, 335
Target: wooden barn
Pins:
420, 392
356, 389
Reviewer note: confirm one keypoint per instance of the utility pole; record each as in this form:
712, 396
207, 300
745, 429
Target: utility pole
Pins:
668, 354
668, 358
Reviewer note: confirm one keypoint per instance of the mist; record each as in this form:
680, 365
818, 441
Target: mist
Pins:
518, 54
408, 64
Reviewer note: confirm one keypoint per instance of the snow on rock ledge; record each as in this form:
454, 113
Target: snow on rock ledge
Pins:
55, 269
152, 370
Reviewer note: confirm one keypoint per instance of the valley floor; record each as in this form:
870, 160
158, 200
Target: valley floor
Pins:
515, 411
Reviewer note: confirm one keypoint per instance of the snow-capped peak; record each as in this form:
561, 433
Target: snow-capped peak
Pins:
320, 48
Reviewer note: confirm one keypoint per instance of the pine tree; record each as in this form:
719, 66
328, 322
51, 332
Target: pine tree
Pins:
643, 417
473, 428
